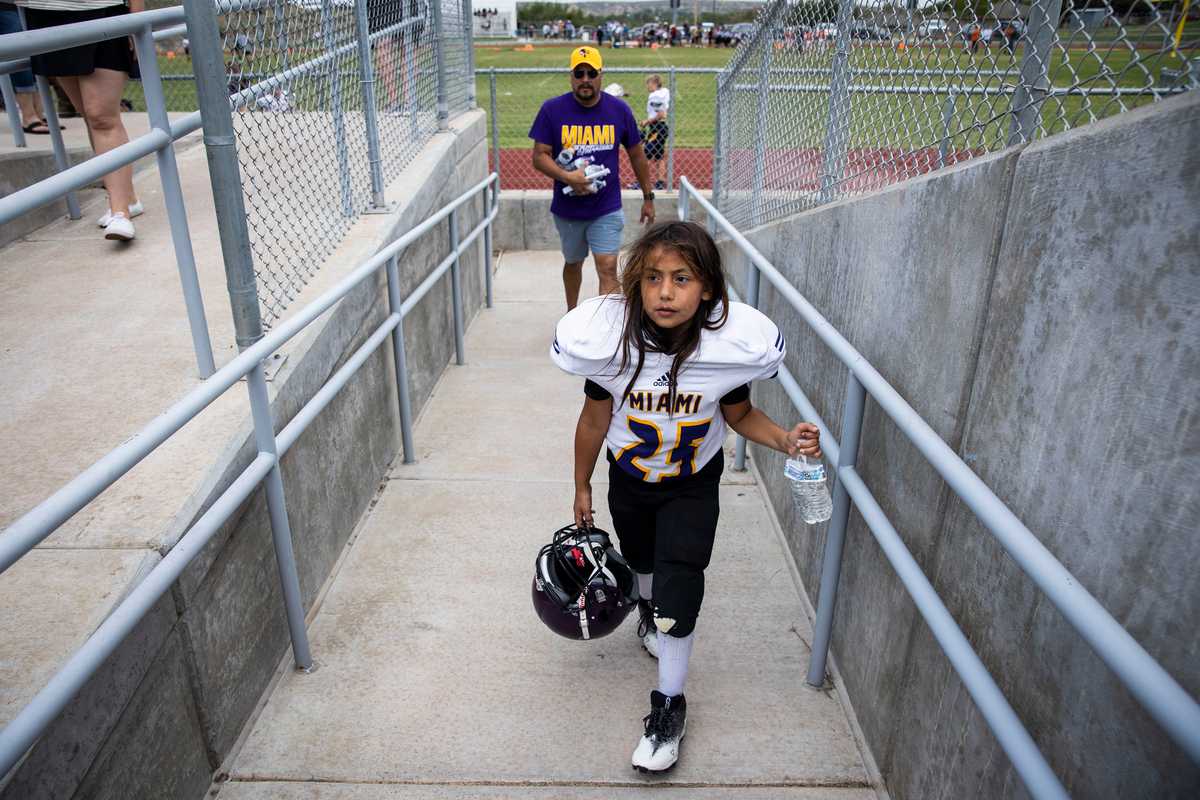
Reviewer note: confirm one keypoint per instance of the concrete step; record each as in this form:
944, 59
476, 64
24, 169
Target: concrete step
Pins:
23, 166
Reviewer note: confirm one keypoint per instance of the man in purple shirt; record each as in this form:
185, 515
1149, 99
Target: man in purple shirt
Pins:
593, 125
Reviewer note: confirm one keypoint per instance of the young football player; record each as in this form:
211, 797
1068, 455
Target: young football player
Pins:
668, 363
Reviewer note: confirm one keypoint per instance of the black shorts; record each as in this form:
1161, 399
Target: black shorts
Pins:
668, 529
655, 140
382, 13
114, 54
386, 13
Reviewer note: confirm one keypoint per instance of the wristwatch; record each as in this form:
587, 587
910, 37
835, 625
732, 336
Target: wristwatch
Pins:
647, 195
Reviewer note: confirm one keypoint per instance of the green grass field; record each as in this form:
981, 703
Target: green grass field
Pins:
896, 120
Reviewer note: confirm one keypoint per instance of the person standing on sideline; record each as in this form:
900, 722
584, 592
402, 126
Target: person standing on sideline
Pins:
94, 78
595, 125
655, 124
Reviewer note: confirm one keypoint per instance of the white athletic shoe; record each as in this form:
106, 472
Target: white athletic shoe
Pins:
119, 228
135, 210
666, 723
646, 630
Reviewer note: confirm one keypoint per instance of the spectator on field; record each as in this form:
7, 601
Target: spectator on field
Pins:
588, 123
1011, 35
655, 131
94, 77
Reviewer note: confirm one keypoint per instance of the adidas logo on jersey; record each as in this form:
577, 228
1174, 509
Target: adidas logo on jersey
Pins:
662, 380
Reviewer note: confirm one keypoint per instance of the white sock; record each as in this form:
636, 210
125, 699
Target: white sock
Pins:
673, 655
645, 584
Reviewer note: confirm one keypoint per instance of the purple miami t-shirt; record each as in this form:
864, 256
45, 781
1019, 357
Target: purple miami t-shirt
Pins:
599, 132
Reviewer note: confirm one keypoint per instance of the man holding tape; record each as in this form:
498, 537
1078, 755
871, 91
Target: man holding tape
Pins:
576, 141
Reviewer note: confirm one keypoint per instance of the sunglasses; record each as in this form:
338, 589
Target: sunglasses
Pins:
580, 73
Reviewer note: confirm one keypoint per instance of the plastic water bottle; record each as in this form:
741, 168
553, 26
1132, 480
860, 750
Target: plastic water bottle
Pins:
566, 157
809, 491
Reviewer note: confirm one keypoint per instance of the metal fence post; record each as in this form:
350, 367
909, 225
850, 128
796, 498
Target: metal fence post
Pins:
718, 158
366, 71
395, 306
760, 139
456, 292
412, 94
685, 197
495, 127
220, 142
61, 163
168, 172
489, 202
752, 284
671, 131
947, 121
836, 137
281, 34
335, 107
10, 107
835, 538
469, 43
439, 58
1026, 103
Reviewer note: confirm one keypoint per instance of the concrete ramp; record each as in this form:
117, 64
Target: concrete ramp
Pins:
435, 679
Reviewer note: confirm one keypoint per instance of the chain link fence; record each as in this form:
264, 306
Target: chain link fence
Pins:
296, 79
836, 98
520, 92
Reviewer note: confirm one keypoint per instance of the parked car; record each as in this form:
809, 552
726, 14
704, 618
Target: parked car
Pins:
865, 30
825, 30
934, 29
740, 32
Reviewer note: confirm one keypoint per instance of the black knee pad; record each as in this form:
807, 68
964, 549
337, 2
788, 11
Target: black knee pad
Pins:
677, 599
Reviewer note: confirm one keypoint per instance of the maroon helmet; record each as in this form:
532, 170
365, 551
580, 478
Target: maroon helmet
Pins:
582, 587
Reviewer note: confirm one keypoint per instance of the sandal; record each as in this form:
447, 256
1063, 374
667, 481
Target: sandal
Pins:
40, 127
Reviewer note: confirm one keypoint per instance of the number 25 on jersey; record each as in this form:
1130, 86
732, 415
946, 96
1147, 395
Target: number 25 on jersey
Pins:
688, 437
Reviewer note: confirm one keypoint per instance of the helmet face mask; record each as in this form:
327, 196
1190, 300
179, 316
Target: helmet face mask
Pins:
582, 587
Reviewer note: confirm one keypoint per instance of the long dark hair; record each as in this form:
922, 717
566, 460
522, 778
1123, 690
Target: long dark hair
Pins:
639, 334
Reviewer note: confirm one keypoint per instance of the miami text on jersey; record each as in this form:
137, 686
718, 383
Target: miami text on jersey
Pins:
660, 402
585, 135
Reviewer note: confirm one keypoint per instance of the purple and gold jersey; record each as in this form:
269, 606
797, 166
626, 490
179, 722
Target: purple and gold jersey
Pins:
649, 437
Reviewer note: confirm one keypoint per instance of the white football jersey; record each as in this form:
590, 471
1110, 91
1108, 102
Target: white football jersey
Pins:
647, 439
659, 100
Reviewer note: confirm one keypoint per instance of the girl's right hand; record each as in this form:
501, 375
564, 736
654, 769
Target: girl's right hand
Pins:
583, 507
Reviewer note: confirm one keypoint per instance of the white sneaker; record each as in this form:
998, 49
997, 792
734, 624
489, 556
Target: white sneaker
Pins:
646, 629
135, 210
658, 749
119, 228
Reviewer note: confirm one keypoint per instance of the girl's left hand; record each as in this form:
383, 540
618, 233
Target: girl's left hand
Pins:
804, 439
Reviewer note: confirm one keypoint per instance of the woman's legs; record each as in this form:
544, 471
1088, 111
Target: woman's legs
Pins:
100, 95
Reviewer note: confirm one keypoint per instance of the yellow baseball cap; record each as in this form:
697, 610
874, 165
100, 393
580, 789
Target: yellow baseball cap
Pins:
586, 55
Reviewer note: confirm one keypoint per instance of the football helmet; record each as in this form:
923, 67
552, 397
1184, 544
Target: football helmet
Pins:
582, 587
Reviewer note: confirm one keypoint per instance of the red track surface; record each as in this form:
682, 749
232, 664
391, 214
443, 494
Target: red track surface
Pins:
794, 170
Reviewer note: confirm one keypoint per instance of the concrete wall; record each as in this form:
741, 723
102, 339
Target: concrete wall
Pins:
1038, 308
525, 223
164, 713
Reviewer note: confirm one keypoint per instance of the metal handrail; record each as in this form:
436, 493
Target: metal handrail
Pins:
15, 48
1165, 700
25, 533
